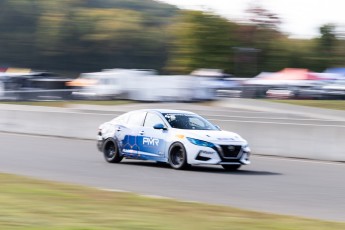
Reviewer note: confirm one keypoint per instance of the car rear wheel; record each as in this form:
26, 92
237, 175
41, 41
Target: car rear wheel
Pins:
111, 152
178, 156
231, 167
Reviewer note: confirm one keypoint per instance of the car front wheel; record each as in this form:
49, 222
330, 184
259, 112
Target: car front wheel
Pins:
178, 156
111, 152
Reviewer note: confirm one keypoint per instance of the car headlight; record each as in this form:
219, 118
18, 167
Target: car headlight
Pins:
200, 142
246, 148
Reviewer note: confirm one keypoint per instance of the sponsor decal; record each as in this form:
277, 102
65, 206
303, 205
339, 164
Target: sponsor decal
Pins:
129, 151
150, 141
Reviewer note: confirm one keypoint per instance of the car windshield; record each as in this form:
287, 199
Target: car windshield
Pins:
188, 121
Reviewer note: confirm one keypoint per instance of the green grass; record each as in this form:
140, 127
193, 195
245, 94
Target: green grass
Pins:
66, 103
39, 205
325, 104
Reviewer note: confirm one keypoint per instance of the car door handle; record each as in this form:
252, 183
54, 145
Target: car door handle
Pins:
141, 133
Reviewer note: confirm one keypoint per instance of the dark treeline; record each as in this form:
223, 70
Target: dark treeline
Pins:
89, 35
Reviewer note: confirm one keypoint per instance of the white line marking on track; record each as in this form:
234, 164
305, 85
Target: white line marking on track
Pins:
300, 160
279, 123
271, 118
152, 196
143, 195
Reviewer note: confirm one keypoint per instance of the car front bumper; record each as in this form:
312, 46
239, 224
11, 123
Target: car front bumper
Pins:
217, 156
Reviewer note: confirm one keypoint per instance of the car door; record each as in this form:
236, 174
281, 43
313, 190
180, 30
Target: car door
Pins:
152, 142
130, 145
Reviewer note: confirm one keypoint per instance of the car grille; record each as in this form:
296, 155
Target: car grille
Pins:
231, 151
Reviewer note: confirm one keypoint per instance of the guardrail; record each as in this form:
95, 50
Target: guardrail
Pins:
319, 142
310, 141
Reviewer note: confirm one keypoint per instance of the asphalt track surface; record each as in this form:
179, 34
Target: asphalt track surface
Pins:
303, 188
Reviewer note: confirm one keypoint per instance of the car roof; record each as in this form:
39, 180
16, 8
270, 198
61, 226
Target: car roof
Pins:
166, 111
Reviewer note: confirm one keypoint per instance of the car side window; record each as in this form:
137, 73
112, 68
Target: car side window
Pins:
196, 123
136, 119
152, 119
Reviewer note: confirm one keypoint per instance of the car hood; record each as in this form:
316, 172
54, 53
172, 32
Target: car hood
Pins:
214, 136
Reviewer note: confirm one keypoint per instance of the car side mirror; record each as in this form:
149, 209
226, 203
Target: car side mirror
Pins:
159, 126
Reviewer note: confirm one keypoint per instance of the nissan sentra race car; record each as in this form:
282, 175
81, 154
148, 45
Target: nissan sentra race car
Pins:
177, 137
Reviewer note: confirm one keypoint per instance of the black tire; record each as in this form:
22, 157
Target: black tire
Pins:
160, 163
231, 167
111, 152
178, 156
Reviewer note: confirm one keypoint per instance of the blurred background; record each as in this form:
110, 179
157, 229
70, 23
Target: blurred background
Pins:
114, 44
64, 53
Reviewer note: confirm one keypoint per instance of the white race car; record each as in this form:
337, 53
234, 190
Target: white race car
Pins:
179, 138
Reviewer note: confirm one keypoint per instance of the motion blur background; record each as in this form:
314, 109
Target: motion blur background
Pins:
57, 41
63, 53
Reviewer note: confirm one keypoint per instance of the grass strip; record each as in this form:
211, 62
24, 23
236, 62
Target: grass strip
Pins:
325, 104
36, 205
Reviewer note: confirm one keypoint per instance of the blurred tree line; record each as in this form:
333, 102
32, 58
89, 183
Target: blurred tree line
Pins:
89, 35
